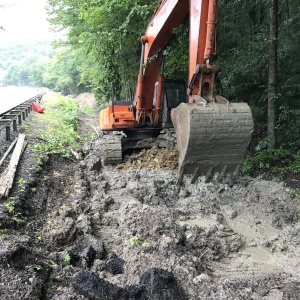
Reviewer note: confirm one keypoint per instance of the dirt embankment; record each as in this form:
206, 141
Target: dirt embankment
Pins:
83, 230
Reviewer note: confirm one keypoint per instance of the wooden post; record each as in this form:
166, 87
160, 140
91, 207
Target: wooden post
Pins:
7, 178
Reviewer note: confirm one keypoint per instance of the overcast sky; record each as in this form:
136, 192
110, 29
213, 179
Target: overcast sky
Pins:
23, 19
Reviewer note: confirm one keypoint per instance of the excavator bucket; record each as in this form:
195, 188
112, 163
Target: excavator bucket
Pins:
212, 138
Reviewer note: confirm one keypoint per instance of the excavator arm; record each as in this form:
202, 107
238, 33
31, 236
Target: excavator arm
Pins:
169, 14
202, 50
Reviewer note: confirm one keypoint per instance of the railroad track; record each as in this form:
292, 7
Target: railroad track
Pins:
16, 115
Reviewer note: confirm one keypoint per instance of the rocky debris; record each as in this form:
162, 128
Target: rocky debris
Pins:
191, 229
161, 285
155, 284
96, 244
95, 288
12, 247
167, 139
89, 254
63, 230
114, 264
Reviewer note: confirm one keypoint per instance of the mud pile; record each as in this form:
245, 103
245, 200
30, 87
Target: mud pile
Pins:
214, 240
82, 230
155, 157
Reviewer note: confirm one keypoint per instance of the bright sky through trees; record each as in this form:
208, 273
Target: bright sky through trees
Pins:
23, 19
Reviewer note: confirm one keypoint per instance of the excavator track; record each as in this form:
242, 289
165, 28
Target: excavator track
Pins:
212, 138
110, 148
112, 145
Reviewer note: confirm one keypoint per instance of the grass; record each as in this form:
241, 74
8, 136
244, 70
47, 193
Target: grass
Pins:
295, 193
87, 109
60, 120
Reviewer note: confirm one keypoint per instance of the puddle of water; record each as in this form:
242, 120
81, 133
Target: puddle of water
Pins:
270, 231
199, 221
259, 255
243, 229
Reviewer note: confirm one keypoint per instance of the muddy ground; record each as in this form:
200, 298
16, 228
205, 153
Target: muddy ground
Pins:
82, 230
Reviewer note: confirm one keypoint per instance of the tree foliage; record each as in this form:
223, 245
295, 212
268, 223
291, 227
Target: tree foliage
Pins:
106, 38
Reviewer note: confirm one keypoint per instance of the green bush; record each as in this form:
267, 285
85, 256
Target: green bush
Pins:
60, 134
271, 163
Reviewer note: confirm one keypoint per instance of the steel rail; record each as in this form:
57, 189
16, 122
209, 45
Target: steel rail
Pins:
16, 115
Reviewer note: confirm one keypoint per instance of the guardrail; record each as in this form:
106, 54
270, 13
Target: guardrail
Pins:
17, 115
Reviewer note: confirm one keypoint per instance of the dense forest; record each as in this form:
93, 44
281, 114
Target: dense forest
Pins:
257, 50
23, 63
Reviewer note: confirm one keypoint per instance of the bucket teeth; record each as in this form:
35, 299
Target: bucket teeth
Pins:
236, 171
223, 172
195, 175
209, 174
180, 177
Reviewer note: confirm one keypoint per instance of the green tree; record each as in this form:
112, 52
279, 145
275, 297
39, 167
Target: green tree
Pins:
272, 84
106, 37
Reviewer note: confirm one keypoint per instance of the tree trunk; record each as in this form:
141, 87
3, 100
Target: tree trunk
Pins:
272, 86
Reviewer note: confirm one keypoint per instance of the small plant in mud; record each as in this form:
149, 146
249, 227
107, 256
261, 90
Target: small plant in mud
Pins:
33, 189
37, 267
21, 181
52, 264
67, 258
10, 204
3, 231
16, 218
136, 240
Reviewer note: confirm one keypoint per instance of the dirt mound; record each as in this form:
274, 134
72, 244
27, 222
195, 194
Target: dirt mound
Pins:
86, 99
158, 158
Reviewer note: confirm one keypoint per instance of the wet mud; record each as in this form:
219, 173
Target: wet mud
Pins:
85, 230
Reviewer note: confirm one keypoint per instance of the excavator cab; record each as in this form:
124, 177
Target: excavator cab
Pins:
174, 93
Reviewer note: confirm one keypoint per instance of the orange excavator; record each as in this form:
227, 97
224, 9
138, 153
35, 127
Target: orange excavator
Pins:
212, 133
